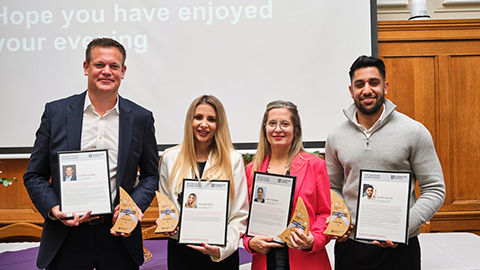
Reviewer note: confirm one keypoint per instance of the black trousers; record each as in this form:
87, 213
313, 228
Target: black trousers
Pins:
356, 255
182, 257
92, 246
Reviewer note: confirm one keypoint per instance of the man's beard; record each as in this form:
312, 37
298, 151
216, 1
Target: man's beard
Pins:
372, 110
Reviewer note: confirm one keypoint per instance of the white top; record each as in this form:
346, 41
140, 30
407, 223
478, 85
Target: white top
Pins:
238, 207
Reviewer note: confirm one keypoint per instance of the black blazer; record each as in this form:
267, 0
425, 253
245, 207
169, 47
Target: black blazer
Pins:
61, 130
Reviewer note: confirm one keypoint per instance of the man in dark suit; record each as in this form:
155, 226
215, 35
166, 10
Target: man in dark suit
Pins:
96, 119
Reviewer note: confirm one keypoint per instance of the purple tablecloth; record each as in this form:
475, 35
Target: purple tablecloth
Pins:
25, 259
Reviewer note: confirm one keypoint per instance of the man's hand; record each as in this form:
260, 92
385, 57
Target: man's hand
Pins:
55, 211
115, 216
344, 237
385, 244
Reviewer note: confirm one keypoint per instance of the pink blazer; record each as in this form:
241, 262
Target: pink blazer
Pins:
313, 186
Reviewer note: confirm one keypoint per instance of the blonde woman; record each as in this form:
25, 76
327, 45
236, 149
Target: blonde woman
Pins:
280, 151
192, 201
206, 153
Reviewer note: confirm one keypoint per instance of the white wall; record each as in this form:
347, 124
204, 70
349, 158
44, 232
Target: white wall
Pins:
245, 52
437, 9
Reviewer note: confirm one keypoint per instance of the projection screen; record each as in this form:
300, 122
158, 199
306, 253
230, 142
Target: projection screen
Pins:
245, 52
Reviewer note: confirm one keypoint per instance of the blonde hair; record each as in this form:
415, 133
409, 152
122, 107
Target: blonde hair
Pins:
194, 203
263, 148
186, 162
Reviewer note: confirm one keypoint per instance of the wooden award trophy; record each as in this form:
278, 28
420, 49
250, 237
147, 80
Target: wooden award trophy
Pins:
168, 218
299, 220
127, 220
340, 217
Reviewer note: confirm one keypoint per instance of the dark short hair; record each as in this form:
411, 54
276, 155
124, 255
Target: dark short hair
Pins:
367, 61
105, 43
369, 186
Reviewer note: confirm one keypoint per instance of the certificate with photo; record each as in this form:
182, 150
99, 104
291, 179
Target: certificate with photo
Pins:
271, 202
203, 218
85, 182
383, 206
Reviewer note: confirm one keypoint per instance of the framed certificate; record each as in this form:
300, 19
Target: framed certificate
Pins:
383, 206
85, 182
203, 218
271, 202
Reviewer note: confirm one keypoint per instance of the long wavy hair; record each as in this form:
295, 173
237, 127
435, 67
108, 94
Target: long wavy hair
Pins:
194, 203
219, 156
264, 148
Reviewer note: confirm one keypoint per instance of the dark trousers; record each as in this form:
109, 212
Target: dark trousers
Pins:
182, 257
277, 259
92, 246
356, 255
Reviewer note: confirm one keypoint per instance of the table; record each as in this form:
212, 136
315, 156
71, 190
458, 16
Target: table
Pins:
453, 251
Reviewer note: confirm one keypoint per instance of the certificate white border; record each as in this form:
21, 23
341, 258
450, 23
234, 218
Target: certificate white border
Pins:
273, 197
84, 161
394, 196
205, 202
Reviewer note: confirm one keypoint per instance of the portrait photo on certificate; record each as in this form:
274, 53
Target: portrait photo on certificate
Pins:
383, 206
271, 203
203, 218
85, 184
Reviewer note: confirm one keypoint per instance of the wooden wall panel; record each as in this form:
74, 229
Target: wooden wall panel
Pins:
19, 219
465, 86
433, 70
15, 204
412, 85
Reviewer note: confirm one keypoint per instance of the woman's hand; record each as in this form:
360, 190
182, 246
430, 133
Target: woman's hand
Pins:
207, 249
300, 240
262, 244
167, 234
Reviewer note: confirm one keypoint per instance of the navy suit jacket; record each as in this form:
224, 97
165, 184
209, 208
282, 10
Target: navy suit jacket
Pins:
61, 130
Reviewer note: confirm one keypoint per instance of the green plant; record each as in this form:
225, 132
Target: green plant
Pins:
248, 157
7, 181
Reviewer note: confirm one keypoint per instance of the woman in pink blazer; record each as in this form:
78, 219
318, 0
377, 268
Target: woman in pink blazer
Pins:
280, 151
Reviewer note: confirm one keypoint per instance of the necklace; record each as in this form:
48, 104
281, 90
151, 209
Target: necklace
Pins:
286, 166
200, 155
